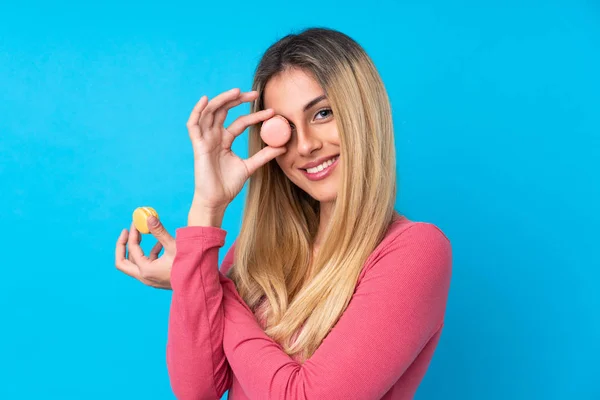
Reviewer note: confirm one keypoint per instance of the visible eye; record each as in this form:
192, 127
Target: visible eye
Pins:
325, 112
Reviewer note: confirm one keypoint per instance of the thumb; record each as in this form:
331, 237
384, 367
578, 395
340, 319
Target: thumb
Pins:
159, 232
262, 157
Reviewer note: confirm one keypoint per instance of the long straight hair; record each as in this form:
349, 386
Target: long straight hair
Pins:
273, 251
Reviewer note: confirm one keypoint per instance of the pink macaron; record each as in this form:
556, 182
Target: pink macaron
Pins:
276, 131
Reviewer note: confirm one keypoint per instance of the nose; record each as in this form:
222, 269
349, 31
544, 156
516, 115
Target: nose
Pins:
306, 141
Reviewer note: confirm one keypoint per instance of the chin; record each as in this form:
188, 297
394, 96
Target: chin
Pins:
323, 197
325, 193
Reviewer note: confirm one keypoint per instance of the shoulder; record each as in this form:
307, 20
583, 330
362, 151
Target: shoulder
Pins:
412, 248
403, 231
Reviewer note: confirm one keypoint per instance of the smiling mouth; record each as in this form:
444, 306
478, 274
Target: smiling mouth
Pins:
322, 166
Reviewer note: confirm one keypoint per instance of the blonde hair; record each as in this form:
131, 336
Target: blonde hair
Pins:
273, 251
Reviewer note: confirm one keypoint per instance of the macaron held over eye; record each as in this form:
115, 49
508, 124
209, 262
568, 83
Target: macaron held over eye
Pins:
276, 131
140, 216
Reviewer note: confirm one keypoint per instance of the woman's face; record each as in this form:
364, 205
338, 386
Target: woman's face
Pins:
297, 97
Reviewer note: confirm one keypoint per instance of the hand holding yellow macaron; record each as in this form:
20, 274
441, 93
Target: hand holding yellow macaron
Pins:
152, 270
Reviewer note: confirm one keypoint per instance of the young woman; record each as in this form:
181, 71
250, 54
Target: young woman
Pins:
327, 292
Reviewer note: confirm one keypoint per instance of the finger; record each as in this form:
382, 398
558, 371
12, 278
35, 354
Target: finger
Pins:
262, 157
221, 113
192, 123
207, 116
241, 123
160, 233
129, 268
155, 251
136, 252
121, 246
121, 262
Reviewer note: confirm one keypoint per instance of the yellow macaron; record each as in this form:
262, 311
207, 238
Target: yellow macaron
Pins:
140, 215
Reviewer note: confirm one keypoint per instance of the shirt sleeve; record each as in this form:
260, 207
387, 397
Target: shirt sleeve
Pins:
196, 363
397, 307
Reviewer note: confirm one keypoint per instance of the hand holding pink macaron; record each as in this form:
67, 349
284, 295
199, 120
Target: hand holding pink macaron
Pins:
276, 131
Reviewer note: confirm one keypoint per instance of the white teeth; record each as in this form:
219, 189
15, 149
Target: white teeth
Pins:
321, 167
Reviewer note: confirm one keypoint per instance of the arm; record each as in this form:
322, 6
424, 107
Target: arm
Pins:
196, 362
396, 309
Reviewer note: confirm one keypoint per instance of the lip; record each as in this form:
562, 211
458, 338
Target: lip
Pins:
322, 174
317, 162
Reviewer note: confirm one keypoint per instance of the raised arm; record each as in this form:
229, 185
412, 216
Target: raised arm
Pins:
195, 359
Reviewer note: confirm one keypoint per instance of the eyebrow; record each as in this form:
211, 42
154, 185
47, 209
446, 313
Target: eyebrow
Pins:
313, 102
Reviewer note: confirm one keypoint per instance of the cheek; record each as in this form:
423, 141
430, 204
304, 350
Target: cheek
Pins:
284, 162
335, 137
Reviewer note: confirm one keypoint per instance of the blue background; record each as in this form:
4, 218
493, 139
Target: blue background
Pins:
496, 109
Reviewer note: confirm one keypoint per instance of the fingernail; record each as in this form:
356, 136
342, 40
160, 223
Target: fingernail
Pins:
152, 221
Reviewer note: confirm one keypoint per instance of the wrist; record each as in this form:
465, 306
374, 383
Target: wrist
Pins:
205, 220
201, 216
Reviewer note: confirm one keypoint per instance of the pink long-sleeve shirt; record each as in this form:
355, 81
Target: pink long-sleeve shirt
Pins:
380, 347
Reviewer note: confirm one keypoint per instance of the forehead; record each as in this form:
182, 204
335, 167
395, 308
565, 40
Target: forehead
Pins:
290, 91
